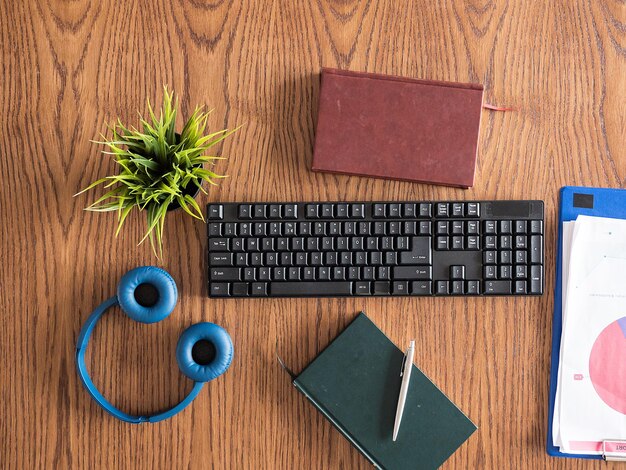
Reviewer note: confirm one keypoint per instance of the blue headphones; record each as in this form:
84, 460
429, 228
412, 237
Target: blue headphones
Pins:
148, 295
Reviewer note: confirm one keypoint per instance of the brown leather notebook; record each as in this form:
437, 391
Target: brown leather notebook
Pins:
399, 128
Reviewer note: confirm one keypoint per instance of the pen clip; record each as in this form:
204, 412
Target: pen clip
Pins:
403, 362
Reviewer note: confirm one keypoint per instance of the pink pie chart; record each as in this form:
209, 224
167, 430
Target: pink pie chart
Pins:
607, 365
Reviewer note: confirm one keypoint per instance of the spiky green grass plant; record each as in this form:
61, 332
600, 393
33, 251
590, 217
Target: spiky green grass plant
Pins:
158, 167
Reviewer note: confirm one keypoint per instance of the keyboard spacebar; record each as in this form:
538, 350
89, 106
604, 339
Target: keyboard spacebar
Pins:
312, 289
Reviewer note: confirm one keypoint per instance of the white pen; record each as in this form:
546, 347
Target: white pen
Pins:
405, 373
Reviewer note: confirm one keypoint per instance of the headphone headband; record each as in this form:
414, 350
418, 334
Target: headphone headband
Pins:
154, 304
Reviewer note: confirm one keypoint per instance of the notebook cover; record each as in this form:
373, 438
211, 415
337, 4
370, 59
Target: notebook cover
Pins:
399, 128
355, 383
574, 201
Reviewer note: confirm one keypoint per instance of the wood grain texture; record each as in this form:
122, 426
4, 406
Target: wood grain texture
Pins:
71, 66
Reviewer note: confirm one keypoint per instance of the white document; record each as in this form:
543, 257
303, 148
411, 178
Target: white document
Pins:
590, 402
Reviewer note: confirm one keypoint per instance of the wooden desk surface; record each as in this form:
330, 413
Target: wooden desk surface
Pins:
69, 67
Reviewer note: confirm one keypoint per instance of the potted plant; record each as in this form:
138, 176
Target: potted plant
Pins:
159, 170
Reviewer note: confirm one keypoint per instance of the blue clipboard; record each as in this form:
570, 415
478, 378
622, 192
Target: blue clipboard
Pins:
574, 201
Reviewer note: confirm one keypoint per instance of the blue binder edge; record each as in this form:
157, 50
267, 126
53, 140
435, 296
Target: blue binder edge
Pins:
606, 203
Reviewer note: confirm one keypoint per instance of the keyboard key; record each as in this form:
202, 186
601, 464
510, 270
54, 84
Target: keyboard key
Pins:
457, 209
339, 274
490, 227
362, 288
520, 287
425, 210
400, 288
259, 289
426, 228
489, 257
520, 257
354, 273
536, 249
357, 211
473, 227
536, 227
274, 211
442, 209
457, 227
393, 228
490, 242
364, 228
536, 279
506, 242
245, 211
323, 273
457, 243
382, 288
458, 287
258, 229
412, 272
225, 274
219, 289
215, 212
384, 273
215, 230
472, 242
505, 227
422, 288
402, 243
473, 209
220, 259
497, 287
473, 287
421, 252
260, 211
310, 289
489, 272
290, 211
334, 228
341, 211
442, 228
506, 271
443, 243
442, 288
380, 228
408, 211
312, 211
505, 257
393, 211
304, 228
240, 289
327, 211
378, 211
230, 229
457, 272
219, 244
409, 228
520, 227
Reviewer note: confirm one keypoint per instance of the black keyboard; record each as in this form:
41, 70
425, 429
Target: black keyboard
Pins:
337, 249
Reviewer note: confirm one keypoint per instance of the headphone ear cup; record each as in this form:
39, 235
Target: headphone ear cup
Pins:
147, 294
204, 351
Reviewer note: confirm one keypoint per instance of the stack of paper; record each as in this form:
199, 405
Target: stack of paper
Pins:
590, 402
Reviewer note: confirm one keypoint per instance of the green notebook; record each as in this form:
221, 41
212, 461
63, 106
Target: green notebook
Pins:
355, 383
